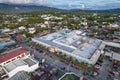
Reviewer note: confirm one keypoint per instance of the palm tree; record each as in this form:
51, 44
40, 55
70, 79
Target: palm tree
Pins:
60, 53
64, 55
76, 61
70, 59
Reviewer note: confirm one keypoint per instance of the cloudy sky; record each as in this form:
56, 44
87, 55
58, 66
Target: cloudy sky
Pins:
70, 4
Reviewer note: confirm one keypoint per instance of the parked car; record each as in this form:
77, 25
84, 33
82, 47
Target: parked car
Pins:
97, 67
101, 61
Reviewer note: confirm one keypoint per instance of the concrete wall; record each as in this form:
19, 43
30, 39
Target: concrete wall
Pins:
20, 68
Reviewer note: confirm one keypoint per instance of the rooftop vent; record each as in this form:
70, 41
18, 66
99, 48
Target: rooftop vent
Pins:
84, 38
90, 42
82, 48
78, 42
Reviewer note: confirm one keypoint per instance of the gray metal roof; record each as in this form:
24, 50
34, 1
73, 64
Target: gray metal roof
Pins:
56, 45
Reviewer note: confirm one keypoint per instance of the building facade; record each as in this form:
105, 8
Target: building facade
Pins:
16, 61
72, 43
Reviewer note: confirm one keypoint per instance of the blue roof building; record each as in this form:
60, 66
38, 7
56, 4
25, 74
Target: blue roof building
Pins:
1, 46
6, 43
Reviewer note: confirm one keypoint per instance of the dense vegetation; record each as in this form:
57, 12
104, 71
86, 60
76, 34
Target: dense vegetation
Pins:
92, 20
70, 77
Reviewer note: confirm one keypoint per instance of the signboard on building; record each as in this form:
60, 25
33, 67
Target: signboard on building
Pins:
52, 49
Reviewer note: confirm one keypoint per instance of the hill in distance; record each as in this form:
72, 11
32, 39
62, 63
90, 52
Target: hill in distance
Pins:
14, 8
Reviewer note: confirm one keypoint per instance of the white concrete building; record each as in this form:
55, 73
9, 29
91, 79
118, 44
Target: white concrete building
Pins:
16, 66
43, 26
113, 55
21, 28
31, 30
18, 60
74, 44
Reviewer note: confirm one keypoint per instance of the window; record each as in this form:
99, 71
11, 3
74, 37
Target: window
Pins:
7, 61
13, 59
23, 55
26, 53
18, 57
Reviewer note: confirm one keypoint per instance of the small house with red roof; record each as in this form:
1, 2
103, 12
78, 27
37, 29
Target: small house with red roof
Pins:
21, 38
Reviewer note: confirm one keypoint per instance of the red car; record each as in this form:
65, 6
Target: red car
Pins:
112, 73
97, 67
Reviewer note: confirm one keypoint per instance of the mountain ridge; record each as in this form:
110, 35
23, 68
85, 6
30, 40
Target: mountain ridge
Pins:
21, 8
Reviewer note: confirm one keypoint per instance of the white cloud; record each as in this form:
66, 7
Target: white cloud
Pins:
38, 2
54, 2
67, 4
16, 1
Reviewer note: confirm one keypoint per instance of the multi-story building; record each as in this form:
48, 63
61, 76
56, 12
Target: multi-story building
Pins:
73, 43
16, 61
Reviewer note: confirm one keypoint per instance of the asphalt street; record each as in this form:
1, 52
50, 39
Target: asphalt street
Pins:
64, 67
53, 61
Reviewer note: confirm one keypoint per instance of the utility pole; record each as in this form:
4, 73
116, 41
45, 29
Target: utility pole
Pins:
68, 67
33, 53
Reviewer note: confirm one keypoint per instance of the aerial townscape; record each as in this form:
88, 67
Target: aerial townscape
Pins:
59, 40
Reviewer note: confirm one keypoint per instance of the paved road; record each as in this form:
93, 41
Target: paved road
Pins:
104, 70
53, 61
63, 67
